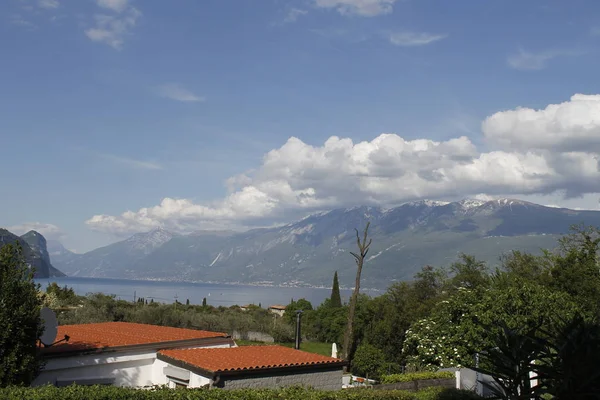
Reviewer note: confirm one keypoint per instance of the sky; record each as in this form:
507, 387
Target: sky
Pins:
120, 116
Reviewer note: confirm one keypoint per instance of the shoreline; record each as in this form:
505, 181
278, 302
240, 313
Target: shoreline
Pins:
252, 284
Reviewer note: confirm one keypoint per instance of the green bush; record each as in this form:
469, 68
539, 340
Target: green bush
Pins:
115, 393
368, 361
416, 376
436, 393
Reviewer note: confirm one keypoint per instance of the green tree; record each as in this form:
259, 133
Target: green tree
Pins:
468, 272
336, 298
301, 304
368, 361
20, 323
65, 296
575, 268
467, 322
204, 302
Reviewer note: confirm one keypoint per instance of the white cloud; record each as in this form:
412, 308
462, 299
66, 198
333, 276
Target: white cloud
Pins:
293, 15
18, 20
49, 4
130, 162
115, 5
570, 126
530, 155
112, 30
49, 231
364, 8
175, 91
414, 38
531, 61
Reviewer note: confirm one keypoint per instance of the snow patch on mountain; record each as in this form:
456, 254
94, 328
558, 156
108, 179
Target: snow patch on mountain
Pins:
469, 204
149, 241
428, 203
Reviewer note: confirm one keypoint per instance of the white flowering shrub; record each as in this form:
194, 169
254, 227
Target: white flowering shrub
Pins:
445, 338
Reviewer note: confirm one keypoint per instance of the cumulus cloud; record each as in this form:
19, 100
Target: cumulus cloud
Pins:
533, 152
177, 92
572, 125
414, 38
364, 8
113, 29
49, 231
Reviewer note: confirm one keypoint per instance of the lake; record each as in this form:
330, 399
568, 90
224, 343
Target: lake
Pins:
216, 294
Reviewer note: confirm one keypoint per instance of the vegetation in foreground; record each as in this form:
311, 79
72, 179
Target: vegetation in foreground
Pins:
20, 324
114, 393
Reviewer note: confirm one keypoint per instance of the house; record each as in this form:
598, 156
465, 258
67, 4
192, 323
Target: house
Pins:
247, 307
118, 353
256, 367
140, 355
277, 309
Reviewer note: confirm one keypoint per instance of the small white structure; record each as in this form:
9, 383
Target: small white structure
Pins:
277, 309
334, 351
140, 355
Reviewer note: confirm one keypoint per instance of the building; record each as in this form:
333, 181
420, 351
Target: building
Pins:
277, 309
255, 367
140, 355
118, 353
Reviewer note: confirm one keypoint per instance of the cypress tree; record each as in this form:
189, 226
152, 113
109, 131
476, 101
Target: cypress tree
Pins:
336, 299
204, 302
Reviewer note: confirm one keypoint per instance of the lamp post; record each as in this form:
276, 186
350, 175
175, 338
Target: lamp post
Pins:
298, 330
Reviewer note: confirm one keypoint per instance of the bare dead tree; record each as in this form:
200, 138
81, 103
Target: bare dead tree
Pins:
363, 249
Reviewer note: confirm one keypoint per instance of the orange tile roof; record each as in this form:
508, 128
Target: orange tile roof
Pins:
246, 358
278, 307
117, 334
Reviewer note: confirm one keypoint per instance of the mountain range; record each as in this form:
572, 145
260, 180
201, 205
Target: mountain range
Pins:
34, 250
307, 252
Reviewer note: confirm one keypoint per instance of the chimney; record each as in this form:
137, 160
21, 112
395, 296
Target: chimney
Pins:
298, 331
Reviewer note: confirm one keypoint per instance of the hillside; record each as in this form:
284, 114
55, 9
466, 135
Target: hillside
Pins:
308, 251
34, 250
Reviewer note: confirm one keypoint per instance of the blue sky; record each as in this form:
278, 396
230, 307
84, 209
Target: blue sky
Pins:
111, 106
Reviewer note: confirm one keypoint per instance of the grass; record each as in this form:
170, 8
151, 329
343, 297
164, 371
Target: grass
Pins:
311, 347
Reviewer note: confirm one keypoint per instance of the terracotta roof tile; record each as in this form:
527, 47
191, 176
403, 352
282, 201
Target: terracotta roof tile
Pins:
278, 307
116, 334
246, 358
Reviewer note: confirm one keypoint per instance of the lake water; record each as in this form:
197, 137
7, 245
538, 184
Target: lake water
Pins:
216, 294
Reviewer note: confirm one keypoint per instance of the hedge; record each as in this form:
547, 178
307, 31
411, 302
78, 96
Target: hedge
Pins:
416, 376
116, 393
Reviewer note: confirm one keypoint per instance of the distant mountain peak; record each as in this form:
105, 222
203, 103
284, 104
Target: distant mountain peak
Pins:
148, 241
33, 233
426, 202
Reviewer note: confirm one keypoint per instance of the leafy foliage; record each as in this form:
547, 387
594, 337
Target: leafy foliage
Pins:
116, 393
368, 361
20, 324
416, 376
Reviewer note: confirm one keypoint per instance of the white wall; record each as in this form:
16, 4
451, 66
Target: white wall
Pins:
126, 369
134, 369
